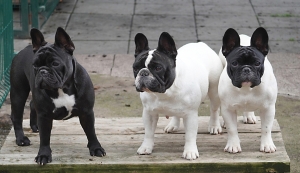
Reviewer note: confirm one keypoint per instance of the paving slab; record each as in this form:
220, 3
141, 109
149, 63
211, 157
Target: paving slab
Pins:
222, 3
100, 47
283, 34
65, 6
211, 33
101, 64
105, 7
182, 2
102, 27
292, 22
123, 66
227, 20
153, 44
279, 3
160, 8
276, 11
286, 69
56, 20
163, 20
284, 46
153, 33
217, 9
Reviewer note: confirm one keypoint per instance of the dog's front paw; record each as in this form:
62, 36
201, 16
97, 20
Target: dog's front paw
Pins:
145, 149
23, 141
43, 159
249, 118
190, 153
173, 125
267, 146
99, 152
233, 147
96, 149
44, 156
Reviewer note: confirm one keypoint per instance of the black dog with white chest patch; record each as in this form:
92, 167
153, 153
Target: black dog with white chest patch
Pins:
61, 88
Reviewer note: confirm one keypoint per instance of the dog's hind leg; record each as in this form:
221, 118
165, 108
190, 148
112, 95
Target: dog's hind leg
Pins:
18, 97
173, 125
214, 121
33, 118
249, 118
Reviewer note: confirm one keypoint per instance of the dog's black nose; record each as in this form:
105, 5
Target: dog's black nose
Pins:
144, 73
246, 70
43, 71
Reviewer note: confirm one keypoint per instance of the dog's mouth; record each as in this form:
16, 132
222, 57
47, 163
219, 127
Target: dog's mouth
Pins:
47, 80
146, 84
144, 89
246, 84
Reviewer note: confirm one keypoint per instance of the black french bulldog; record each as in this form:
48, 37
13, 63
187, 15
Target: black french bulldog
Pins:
61, 88
245, 63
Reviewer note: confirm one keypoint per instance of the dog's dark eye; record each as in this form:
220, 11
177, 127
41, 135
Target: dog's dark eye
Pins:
234, 63
55, 63
135, 70
158, 68
257, 63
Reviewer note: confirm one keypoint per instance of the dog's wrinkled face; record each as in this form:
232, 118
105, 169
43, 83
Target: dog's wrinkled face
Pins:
53, 63
245, 64
154, 70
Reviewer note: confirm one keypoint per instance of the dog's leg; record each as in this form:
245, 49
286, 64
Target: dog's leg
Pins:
33, 118
45, 126
214, 126
173, 125
150, 123
18, 97
191, 129
249, 118
267, 117
233, 141
88, 124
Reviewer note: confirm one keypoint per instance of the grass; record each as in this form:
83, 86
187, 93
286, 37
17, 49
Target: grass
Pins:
282, 15
291, 39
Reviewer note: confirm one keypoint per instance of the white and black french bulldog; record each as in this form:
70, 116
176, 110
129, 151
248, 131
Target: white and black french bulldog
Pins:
247, 84
174, 84
61, 89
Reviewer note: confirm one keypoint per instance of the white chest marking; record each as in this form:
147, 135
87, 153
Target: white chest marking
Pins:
64, 100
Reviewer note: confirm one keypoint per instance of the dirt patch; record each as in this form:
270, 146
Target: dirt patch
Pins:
117, 97
288, 116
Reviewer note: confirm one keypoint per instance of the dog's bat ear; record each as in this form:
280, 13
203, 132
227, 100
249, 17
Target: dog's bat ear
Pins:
231, 40
63, 40
141, 43
167, 45
37, 39
259, 40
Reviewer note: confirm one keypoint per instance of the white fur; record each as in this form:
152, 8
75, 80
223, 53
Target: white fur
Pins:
197, 74
261, 98
149, 58
64, 100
